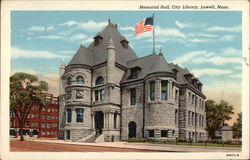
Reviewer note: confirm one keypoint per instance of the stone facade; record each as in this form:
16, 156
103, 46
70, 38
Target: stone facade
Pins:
107, 93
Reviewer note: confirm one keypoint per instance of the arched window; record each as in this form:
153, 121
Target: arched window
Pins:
99, 80
79, 80
69, 81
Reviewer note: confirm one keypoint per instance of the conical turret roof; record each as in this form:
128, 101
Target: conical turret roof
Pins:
82, 56
160, 65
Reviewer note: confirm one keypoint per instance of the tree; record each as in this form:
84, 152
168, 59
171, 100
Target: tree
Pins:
216, 115
25, 90
237, 127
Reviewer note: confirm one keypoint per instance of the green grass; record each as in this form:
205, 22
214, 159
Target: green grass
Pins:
194, 144
209, 144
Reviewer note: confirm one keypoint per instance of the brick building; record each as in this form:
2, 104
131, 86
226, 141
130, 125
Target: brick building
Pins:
107, 93
42, 121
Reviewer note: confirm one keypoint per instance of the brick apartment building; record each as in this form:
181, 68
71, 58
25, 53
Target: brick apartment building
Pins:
42, 121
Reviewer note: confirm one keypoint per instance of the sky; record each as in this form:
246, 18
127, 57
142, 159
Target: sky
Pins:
208, 44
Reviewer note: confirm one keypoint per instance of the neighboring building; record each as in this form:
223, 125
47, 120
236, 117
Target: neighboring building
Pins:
225, 133
42, 121
107, 93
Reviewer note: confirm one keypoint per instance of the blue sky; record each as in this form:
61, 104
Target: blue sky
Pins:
208, 43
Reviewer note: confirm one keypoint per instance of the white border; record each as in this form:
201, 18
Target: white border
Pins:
7, 6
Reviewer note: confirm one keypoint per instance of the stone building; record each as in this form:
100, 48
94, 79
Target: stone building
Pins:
108, 93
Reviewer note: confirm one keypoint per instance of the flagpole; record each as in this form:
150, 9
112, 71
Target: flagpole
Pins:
153, 33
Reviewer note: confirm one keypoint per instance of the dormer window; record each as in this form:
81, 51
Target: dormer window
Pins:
124, 43
134, 72
175, 71
98, 39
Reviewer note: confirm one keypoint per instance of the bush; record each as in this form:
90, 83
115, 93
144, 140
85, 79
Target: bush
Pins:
136, 140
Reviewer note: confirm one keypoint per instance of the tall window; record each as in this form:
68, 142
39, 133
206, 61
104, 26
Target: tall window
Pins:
152, 90
99, 80
79, 115
195, 101
176, 116
188, 117
164, 90
176, 95
132, 96
79, 80
69, 81
192, 118
99, 95
69, 117
192, 99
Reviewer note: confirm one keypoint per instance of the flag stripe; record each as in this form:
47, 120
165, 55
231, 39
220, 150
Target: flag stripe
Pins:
140, 28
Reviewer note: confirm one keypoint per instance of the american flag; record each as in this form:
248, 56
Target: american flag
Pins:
145, 25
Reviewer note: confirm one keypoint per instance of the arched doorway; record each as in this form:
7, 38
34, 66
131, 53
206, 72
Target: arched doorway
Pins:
132, 129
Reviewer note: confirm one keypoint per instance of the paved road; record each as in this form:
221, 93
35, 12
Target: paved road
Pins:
32, 146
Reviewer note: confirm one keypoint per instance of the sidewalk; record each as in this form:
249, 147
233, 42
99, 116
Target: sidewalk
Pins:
157, 147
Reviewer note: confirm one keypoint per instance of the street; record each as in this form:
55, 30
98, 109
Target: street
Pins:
32, 146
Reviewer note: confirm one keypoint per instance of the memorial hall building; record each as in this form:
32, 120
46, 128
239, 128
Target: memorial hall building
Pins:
108, 93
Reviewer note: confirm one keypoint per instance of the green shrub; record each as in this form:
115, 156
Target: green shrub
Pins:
136, 140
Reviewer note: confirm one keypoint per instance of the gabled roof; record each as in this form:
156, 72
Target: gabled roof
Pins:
152, 63
96, 54
82, 56
100, 51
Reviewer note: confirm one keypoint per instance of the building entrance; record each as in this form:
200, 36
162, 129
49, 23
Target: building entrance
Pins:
99, 122
132, 129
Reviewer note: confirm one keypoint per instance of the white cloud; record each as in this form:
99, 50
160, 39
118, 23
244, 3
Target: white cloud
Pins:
128, 28
50, 28
232, 51
227, 38
238, 67
169, 32
76, 37
226, 29
66, 52
210, 71
235, 76
186, 57
22, 53
198, 40
51, 37
216, 60
36, 28
70, 38
29, 38
68, 23
202, 35
91, 25
224, 60
181, 25
189, 25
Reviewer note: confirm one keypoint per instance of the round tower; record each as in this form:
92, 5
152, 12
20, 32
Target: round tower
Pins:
61, 72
